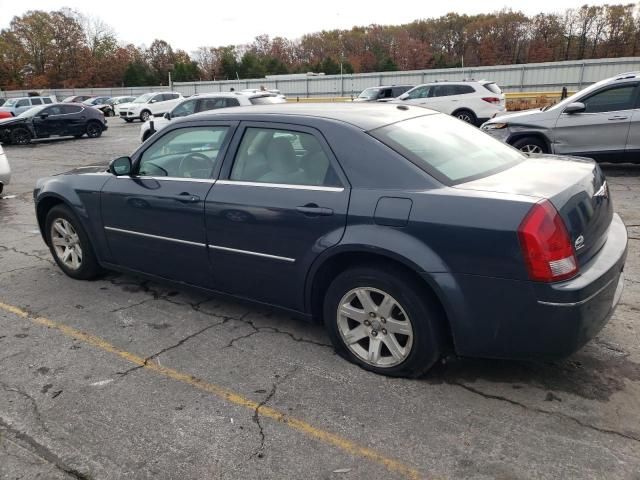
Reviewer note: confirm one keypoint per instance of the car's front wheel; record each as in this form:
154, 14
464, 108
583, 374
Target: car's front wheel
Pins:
383, 321
145, 115
20, 136
530, 145
70, 244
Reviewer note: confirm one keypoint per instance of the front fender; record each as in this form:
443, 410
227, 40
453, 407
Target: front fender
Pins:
81, 193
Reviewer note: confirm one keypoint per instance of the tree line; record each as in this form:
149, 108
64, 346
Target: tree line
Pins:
66, 49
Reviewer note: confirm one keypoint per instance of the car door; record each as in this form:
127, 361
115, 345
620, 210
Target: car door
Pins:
154, 219
601, 130
73, 120
632, 151
22, 105
48, 122
280, 203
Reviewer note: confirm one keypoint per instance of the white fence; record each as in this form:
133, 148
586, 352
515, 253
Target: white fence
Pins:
551, 76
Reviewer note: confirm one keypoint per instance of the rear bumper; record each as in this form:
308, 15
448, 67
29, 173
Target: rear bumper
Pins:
514, 319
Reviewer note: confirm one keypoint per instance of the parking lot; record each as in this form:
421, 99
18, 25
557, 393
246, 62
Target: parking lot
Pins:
125, 378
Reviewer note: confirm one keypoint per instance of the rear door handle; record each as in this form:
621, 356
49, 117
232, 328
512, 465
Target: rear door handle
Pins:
618, 117
312, 210
185, 197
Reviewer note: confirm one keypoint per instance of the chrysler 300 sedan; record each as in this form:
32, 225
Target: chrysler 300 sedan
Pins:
408, 233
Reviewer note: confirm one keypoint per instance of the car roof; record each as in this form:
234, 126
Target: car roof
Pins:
366, 116
234, 94
389, 86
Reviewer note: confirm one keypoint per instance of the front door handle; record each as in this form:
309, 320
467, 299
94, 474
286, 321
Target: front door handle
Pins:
186, 197
618, 117
313, 210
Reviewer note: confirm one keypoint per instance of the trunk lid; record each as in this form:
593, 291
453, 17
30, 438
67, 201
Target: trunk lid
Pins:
576, 187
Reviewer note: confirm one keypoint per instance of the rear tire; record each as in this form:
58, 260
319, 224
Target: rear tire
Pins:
531, 145
466, 116
395, 331
70, 245
20, 136
94, 129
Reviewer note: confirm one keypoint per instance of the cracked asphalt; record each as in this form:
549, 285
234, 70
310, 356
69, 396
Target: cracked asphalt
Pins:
126, 378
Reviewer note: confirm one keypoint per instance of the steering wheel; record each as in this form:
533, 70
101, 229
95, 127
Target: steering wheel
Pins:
193, 161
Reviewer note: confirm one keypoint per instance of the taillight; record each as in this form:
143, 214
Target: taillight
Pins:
493, 100
546, 245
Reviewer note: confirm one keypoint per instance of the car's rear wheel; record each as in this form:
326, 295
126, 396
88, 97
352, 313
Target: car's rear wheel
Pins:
69, 244
466, 116
20, 136
145, 115
530, 145
381, 320
94, 129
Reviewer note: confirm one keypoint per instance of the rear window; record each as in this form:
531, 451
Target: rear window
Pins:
493, 88
448, 149
266, 100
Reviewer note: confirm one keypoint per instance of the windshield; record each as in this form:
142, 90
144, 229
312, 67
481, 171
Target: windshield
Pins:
144, 98
450, 150
11, 102
33, 111
370, 93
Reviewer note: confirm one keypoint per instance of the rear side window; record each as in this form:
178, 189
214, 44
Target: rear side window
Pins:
463, 89
397, 91
282, 156
36, 101
451, 151
232, 102
47, 100
611, 99
493, 88
67, 109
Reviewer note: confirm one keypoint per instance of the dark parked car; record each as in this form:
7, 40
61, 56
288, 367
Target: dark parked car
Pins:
62, 119
407, 232
383, 93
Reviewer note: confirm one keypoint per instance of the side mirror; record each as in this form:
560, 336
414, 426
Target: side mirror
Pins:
575, 107
120, 166
167, 116
403, 96
153, 101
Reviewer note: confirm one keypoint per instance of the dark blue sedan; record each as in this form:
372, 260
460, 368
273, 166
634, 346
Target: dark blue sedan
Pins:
408, 233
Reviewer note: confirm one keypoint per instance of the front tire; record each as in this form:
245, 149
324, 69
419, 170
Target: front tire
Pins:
531, 145
20, 136
145, 115
381, 320
69, 244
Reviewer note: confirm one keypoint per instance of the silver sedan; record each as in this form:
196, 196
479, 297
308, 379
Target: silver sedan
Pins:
5, 170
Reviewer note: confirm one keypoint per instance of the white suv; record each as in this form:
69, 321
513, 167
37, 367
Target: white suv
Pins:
474, 102
149, 104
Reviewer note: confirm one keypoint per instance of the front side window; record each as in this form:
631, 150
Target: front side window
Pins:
211, 104
184, 153
184, 109
68, 109
282, 156
451, 151
53, 110
420, 92
23, 103
611, 100
143, 98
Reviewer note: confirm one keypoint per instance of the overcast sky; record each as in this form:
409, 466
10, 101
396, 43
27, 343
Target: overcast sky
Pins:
188, 24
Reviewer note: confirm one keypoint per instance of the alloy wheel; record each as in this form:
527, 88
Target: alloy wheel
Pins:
66, 243
375, 327
21, 137
531, 149
144, 116
465, 117
93, 130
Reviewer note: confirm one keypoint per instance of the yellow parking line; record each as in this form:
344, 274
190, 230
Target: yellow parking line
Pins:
223, 393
